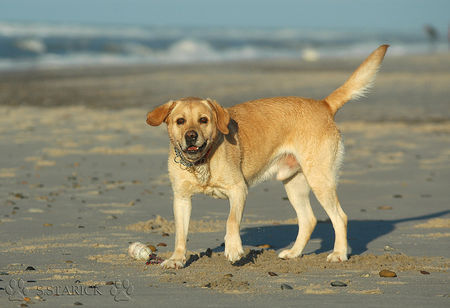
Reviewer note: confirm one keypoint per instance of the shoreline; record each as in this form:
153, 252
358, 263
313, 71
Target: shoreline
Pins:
407, 89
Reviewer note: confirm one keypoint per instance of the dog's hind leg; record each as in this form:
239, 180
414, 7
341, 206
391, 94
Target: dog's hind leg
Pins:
297, 189
320, 169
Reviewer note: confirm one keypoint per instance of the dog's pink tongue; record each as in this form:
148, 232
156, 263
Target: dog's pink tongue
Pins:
192, 148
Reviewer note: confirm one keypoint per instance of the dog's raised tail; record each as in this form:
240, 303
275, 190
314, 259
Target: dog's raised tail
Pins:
359, 82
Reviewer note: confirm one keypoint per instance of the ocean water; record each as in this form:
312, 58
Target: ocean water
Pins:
43, 45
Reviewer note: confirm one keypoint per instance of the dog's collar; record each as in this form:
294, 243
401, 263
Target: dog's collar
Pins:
183, 161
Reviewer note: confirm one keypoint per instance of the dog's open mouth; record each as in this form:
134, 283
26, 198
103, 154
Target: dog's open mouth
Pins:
193, 149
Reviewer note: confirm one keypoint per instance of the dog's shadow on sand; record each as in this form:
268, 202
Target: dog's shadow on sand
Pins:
360, 233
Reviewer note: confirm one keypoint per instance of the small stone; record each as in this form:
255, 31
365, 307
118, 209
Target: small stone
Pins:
162, 244
366, 275
285, 286
69, 261
387, 273
47, 225
398, 196
338, 283
165, 234
30, 268
23, 305
228, 275
78, 304
385, 207
109, 283
20, 196
272, 274
425, 272
27, 299
264, 246
388, 248
208, 285
152, 248
285, 198
31, 281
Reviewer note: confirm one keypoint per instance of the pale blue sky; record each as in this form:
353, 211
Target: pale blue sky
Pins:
402, 15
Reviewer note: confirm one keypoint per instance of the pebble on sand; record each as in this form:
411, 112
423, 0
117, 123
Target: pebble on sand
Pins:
387, 273
385, 207
425, 272
152, 248
338, 284
272, 274
265, 246
285, 286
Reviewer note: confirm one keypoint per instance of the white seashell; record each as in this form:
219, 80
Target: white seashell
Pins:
139, 251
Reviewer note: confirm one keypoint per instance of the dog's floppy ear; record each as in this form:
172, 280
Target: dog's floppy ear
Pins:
222, 116
160, 113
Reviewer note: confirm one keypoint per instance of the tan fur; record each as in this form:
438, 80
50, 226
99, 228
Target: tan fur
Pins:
292, 138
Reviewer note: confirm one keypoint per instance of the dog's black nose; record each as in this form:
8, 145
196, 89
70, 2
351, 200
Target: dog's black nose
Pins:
191, 136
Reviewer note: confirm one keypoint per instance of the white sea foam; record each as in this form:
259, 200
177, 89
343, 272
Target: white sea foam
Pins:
43, 45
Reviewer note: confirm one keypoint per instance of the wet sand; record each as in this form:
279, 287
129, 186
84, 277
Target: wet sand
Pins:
82, 176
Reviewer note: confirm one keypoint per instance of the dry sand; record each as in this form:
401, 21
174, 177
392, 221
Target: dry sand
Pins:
82, 176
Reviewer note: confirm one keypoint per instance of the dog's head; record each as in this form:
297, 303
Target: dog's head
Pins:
193, 124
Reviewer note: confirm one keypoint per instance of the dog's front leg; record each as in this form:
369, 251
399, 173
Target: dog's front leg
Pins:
182, 213
233, 245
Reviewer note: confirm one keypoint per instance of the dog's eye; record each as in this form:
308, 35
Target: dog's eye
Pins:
203, 120
180, 121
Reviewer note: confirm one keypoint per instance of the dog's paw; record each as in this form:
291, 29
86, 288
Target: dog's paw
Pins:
234, 254
173, 263
337, 256
288, 254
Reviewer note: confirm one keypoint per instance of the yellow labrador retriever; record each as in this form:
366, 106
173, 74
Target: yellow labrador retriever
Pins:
221, 152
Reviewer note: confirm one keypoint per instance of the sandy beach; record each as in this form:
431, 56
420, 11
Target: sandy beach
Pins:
82, 176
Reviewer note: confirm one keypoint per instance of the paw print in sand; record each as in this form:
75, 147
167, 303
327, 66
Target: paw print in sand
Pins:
16, 290
121, 290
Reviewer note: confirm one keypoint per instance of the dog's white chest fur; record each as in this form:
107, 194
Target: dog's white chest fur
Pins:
202, 174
